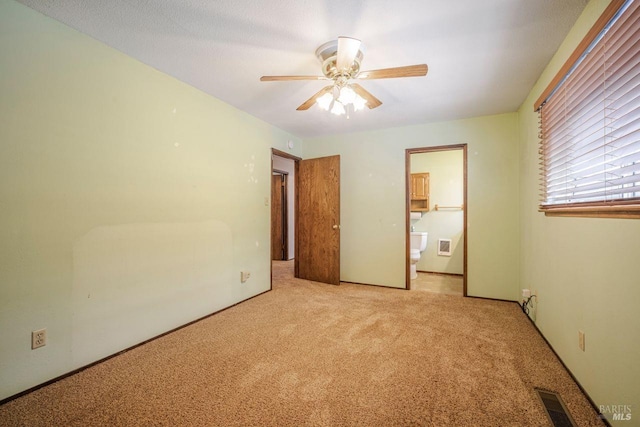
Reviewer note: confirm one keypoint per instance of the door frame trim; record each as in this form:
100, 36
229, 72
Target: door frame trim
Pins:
408, 153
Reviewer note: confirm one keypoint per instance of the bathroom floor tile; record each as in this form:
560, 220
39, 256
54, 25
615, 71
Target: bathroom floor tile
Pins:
438, 283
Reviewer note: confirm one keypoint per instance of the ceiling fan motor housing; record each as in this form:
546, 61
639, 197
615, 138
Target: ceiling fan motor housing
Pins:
327, 54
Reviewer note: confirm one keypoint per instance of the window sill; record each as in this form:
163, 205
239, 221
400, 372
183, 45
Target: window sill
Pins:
630, 211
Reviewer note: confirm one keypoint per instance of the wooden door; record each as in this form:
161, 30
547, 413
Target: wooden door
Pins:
318, 220
278, 217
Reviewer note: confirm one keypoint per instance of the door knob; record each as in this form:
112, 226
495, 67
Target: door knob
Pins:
335, 226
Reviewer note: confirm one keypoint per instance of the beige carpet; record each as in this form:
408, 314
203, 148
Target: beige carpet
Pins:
315, 354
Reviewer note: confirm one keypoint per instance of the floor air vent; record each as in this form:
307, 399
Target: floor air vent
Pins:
556, 411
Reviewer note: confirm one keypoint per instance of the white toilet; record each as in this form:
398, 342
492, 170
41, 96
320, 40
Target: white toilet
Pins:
417, 245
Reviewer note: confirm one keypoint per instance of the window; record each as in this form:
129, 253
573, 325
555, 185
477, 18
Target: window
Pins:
590, 123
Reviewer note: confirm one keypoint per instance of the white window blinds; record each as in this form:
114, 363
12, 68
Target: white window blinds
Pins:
590, 124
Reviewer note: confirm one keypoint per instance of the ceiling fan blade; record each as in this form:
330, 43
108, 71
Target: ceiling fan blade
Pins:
389, 73
309, 102
347, 50
372, 101
284, 78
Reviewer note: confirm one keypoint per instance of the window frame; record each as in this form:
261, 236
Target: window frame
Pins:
597, 209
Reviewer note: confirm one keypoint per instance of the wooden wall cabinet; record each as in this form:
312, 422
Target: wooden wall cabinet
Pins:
419, 192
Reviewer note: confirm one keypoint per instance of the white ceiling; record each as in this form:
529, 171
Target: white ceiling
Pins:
484, 55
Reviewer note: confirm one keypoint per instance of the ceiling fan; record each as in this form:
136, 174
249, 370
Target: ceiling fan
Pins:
341, 61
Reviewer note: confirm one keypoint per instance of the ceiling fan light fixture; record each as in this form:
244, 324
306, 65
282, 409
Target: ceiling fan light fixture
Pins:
324, 102
339, 99
338, 109
347, 95
359, 103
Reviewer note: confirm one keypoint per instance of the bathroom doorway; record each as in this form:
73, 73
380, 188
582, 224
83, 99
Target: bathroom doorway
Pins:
436, 211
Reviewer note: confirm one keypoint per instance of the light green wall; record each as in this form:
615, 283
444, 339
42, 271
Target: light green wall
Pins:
446, 188
372, 198
130, 201
585, 270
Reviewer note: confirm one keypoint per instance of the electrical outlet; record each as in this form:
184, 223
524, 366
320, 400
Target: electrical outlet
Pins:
244, 276
38, 338
581, 340
526, 293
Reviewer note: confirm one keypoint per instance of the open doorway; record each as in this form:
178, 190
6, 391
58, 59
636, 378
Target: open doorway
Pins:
283, 214
279, 215
284, 169
436, 219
